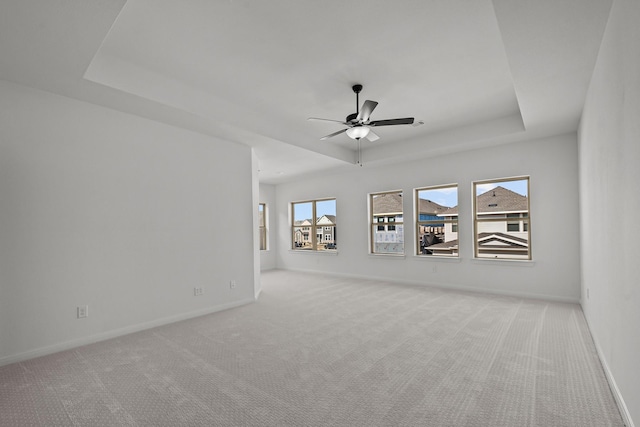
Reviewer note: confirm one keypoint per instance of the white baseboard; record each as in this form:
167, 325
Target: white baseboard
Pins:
43, 351
617, 396
447, 286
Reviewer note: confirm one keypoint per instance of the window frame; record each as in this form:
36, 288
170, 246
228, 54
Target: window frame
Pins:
382, 223
313, 230
523, 220
418, 223
262, 227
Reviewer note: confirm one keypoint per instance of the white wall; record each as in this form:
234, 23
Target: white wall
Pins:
255, 200
609, 146
268, 257
116, 212
552, 165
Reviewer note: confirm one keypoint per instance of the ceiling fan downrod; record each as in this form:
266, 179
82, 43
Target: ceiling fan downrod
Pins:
357, 89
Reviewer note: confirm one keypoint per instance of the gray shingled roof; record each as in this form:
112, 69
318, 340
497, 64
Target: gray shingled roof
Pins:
331, 218
444, 245
428, 207
388, 203
299, 223
498, 199
506, 238
449, 212
513, 241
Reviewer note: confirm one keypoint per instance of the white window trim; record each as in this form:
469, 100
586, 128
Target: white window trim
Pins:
515, 261
372, 224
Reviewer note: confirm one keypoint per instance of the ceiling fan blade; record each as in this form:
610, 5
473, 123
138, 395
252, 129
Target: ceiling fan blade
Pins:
366, 110
331, 135
372, 136
327, 120
390, 122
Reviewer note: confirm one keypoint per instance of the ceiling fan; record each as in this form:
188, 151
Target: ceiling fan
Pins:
359, 124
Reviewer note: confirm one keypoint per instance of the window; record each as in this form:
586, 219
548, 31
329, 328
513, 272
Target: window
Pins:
262, 219
513, 225
314, 225
387, 231
391, 227
501, 219
437, 220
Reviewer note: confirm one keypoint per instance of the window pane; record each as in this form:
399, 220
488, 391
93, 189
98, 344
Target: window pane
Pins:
301, 238
387, 208
262, 226
261, 214
326, 213
513, 226
314, 225
302, 225
302, 211
326, 207
437, 221
263, 239
501, 212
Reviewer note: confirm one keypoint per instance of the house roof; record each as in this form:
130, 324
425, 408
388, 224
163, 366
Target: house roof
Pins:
330, 220
426, 206
501, 240
444, 245
453, 211
498, 199
307, 222
489, 240
387, 204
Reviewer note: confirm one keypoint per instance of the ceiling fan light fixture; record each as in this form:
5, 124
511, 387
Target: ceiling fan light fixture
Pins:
357, 132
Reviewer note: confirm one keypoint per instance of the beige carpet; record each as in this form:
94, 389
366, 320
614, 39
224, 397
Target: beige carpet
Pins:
325, 351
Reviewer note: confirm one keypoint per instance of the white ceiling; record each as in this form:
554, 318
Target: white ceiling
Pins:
476, 72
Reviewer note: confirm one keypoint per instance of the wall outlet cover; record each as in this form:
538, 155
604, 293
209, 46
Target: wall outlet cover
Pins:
83, 311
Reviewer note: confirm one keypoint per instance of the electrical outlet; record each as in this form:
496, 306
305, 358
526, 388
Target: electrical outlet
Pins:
232, 284
198, 291
83, 311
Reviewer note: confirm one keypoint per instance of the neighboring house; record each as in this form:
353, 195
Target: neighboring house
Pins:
433, 232
504, 245
506, 238
302, 233
387, 223
387, 209
325, 231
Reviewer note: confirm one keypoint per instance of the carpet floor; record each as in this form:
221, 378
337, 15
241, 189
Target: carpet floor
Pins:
318, 350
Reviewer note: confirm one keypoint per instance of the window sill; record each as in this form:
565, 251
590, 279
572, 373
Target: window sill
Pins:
294, 251
438, 258
513, 262
396, 256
